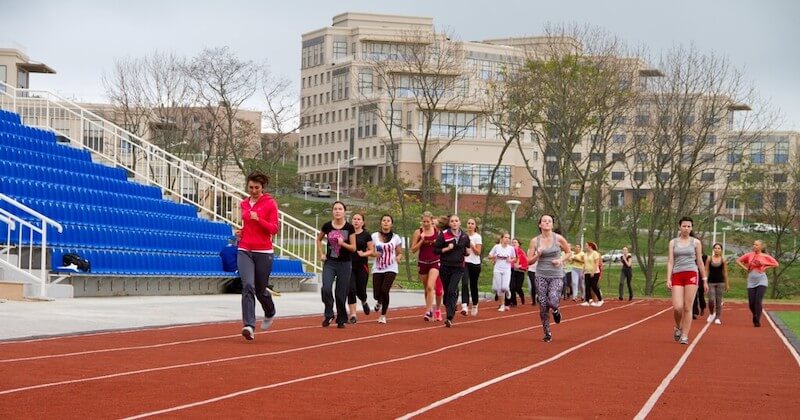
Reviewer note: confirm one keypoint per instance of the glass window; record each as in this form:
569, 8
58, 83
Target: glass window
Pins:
3, 75
618, 139
339, 50
707, 176
781, 152
757, 152
475, 178
617, 176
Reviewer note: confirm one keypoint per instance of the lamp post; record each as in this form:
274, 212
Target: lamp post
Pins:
512, 205
714, 235
458, 170
339, 174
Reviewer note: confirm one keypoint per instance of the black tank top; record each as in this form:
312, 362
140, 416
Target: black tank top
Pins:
715, 272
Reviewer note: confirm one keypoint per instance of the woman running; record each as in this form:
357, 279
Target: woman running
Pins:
549, 250
255, 254
684, 270
360, 275
427, 261
451, 245
755, 263
717, 269
469, 285
503, 256
518, 269
337, 266
387, 251
627, 272
591, 275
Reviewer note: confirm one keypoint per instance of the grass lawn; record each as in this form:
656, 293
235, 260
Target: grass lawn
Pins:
792, 320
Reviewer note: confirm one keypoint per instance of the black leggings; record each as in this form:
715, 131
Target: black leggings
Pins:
591, 285
626, 274
382, 282
755, 296
532, 278
699, 305
517, 278
469, 283
358, 283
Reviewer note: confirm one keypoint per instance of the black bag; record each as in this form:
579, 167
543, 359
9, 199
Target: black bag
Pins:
82, 263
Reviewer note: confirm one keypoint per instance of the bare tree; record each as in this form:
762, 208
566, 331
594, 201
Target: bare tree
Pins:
686, 142
222, 83
574, 89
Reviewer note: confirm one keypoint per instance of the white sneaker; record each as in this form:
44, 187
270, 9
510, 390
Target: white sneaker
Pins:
710, 318
717, 321
474, 311
596, 304
600, 303
247, 332
266, 323
382, 319
502, 308
464, 309
586, 303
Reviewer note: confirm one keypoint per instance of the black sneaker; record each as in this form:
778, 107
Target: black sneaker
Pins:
557, 316
448, 323
327, 321
547, 338
378, 307
365, 305
353, 319
340, 325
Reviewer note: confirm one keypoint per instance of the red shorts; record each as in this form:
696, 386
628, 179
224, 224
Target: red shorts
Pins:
425, 267
684, 278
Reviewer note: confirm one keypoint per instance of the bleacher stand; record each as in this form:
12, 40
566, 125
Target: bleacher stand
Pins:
123, 228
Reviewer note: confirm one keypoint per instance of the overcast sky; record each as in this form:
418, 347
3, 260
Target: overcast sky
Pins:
80, 39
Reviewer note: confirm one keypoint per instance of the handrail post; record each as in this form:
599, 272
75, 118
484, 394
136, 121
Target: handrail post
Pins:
43, 261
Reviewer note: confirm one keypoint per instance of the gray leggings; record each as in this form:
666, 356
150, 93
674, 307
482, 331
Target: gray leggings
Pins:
715, 291
254, 269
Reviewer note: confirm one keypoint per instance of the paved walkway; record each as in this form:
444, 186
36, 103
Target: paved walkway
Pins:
65, 316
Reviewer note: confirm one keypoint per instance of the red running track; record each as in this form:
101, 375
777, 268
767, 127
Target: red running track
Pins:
616, 361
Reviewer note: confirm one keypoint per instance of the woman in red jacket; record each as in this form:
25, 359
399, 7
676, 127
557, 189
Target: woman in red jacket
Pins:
254, 256
518, 270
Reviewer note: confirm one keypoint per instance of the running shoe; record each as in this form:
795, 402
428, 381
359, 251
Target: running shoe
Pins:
340, 325
547, 338
677, 334
266, 323
717, 321
327, 322
684, 340
448, 323
710, 318
474, 310
557, 316
437, 315
464, 309
382, 319
366, 308
353, 319
378, 307
428, 316
247, 332
585, 303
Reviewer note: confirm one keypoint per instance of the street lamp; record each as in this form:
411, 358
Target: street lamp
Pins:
458, 170
512, 205
339, 173
714, 235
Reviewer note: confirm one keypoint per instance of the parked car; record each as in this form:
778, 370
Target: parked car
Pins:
614, 255
322, 189
307, 188
765, 228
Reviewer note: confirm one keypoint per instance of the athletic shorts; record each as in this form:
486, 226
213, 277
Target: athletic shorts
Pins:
425, 267
685, 278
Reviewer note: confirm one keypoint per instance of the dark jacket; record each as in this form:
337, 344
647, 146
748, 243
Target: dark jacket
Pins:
454, 257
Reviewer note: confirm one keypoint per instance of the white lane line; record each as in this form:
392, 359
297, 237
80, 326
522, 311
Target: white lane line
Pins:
786, 342
250, 356
354, 368
651, 402
526, 369
167, 344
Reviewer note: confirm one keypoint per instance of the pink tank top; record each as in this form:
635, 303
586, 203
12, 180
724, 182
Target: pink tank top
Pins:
426, 254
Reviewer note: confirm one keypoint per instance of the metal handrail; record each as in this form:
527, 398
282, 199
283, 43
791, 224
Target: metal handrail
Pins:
19, 224
153, 165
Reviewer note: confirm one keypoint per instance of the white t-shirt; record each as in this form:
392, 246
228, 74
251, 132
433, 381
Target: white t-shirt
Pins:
473, 258
502, 257
386, 261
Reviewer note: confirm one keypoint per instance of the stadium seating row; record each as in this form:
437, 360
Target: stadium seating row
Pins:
13, 154
25, 131
36, 145
9, 116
